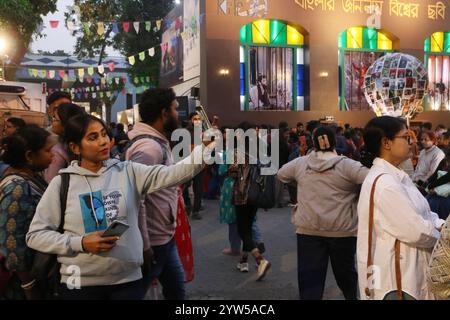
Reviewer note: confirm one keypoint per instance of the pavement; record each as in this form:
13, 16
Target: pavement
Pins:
216, 276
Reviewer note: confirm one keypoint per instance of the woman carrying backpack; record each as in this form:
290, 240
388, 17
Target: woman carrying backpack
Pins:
246, 212
28, 152
101, 190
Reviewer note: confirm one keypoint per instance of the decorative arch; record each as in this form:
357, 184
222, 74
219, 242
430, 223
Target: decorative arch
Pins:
437, 62
281, 47
359, 47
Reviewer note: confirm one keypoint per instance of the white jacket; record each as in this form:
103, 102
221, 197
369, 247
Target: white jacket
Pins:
400, 212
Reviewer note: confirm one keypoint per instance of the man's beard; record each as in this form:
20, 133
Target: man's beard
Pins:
170, 126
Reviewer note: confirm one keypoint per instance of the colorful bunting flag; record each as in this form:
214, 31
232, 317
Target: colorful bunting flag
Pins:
101, 69
111, 66
136, 26
131, 60
142, 55
100, 28
151, 52
115, 28
148, 26
158, 24
126, 27
54, 23
87, 28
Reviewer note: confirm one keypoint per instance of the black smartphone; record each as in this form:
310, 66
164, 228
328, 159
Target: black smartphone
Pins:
116, 229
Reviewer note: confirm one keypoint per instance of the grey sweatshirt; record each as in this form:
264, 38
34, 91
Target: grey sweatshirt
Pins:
116, 191
327, 193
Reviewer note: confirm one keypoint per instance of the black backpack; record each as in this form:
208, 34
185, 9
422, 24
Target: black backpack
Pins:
261, 191
45, 267
144, 136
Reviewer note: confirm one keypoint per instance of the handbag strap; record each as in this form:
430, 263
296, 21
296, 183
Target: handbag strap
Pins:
369, 251
65, 180
398, 275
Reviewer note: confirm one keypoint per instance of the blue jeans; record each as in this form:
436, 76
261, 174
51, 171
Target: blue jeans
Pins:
168, 269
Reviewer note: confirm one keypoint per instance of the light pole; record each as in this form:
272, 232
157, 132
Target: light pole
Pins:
3, 56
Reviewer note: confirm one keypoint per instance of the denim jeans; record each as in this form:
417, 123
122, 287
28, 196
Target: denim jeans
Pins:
168, 269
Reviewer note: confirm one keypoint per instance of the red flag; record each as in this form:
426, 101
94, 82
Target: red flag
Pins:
54, 23
86, 95
126, 27
89, 79
124, 79
178, 23
111, 66
62, 73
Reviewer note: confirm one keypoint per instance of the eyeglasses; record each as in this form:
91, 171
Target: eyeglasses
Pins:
406, 137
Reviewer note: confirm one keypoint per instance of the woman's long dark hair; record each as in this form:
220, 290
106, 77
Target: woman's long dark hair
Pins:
374, 132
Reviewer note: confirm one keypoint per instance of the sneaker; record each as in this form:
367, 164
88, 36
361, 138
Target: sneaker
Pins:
196, 216
230, 252
263, 267
242, 266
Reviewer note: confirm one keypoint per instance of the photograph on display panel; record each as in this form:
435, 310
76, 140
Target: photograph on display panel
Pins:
270, 78
356, 65
439, 78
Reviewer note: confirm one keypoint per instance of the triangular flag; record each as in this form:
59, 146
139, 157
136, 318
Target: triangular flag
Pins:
136, 25
86, 95
126, 27
43, 74
71, 74
115, 28
81, 72
100, 28
62, 73
54, 23
148, 26
87, 28
81, 79
103, 81
132, 60
101, 69
147, 79
142, 55
91, 71
111, 66
110, 81
117, 80
124, 80
178, 23
158, 24
40, 27
108, 94
94, 95
136, 80
65, 77
151, 52
70, 26
89, 79
30, 72
143, 79
51, 74
100, 94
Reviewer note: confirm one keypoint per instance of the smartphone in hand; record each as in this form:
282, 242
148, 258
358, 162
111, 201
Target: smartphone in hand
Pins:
116, 229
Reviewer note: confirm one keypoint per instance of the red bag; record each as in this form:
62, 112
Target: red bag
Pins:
5, 275
183, 240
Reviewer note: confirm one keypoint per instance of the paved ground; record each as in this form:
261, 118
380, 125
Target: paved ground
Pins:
216, 276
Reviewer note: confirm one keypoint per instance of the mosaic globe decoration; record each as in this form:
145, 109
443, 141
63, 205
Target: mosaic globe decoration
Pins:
395, 85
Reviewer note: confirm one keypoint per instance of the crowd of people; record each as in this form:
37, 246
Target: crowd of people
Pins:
373, 201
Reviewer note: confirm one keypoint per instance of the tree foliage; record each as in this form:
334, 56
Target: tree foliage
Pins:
19, 22
90, 44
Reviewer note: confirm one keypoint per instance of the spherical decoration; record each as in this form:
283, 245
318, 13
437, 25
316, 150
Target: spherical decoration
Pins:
395, 85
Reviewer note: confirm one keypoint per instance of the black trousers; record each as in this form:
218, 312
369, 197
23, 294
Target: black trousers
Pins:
245, 214
126, 291
197, 186
313, 253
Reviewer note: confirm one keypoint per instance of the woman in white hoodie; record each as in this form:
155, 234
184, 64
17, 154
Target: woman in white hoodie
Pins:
392, 259
101, 190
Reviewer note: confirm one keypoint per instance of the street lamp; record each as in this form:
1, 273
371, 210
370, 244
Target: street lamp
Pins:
3, 55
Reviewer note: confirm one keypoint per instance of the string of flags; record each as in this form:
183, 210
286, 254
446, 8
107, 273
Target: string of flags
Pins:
101, 26
112, 94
